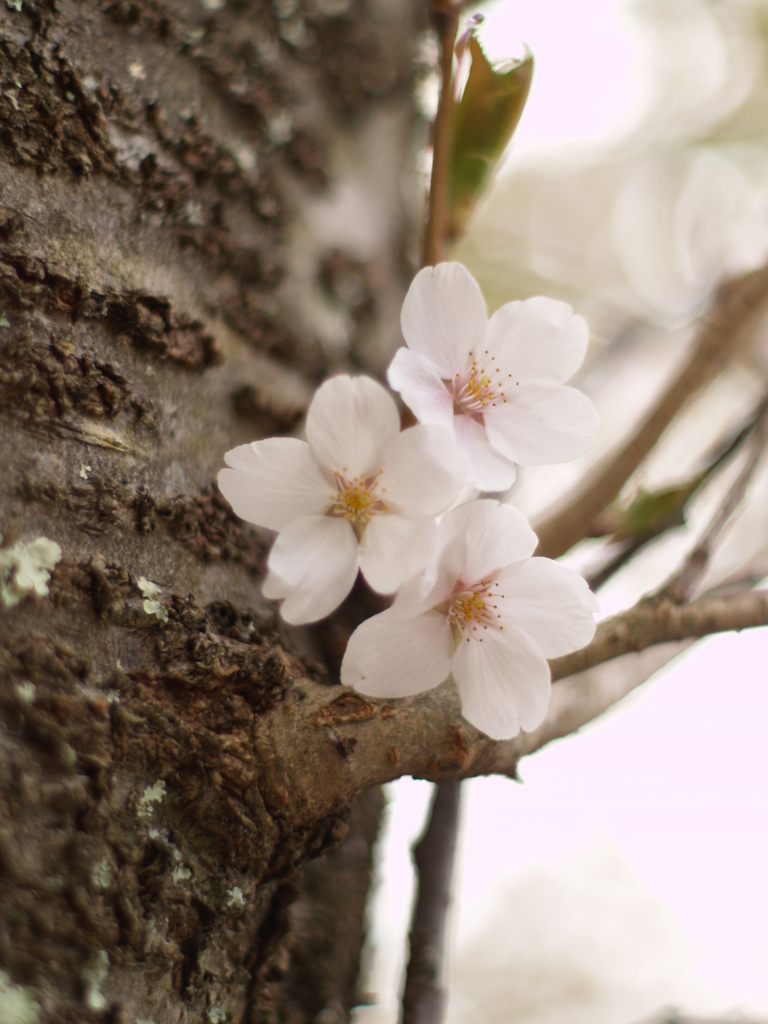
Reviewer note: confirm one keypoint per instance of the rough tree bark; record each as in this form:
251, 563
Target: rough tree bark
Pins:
203, 212
201, 216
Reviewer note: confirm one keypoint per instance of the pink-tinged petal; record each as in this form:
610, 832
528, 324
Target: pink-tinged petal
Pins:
351, 423
424, 472
312, 564
504, 682
489, 470
490, 535
444, 316
552, 604
414, 598
421, 387
542, 424
435, 586
537, 340
392, 657
394, 549
274, 482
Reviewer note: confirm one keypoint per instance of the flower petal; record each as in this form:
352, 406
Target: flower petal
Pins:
394, 549
416, 378
274, 482
392, 657
488, 469
491, 536
444, 316
313, 564
424, 472
504, 682
351, 423
542, 424
415, 597
552, 604
537, 340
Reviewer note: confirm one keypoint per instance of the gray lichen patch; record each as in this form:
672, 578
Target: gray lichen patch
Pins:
152, 795
17, 1005
150, 604
235, 898
101, 874
26, 568
94, 975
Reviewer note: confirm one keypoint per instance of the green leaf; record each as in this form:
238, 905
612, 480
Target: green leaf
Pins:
654, 512
484, 121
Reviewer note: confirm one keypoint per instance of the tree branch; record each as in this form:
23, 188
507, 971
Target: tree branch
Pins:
671, 504
591, 679
739, 304
685, 580
424, 994
349, 742
657, 620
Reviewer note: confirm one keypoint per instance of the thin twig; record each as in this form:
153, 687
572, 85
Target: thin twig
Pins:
738, 305
580, 699
684, 582
631, 545
424, 993
446, 21
658, 620
625, 553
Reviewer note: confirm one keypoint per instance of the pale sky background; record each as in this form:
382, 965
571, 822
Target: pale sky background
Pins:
629, 870
590, 45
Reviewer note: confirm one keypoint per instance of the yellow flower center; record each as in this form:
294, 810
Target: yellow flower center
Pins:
357, 500
472, 609
479, 386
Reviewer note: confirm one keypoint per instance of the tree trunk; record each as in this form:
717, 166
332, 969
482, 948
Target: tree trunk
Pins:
201, 217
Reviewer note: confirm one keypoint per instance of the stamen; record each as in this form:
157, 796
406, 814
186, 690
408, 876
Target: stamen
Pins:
357, 500
476, 388
470, 608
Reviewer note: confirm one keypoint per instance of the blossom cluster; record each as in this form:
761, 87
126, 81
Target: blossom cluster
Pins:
360, 494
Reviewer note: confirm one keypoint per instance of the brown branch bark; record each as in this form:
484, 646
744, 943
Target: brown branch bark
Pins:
349, 742
738, 306
658, 620
425, 992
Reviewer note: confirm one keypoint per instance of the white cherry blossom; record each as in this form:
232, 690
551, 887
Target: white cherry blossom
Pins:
498, 383
485, 611
358, 494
